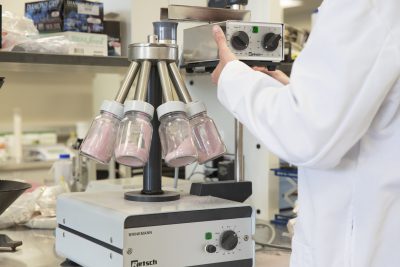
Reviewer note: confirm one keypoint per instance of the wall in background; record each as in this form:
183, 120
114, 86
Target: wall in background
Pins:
46, 101
299, 20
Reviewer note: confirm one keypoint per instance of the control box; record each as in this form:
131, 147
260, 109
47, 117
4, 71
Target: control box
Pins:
105, 230
249, 41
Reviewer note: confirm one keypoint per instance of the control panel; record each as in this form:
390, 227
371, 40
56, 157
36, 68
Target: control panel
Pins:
225, 241
192, 244
249, 41
255, 40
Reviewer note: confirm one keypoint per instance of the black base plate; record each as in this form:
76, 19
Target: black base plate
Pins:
229, 190
6, 242
209, 66
140, 197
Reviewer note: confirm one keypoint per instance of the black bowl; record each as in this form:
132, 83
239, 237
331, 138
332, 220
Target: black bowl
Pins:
9, 192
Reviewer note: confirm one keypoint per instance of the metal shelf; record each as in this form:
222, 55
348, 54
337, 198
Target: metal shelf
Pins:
17, 61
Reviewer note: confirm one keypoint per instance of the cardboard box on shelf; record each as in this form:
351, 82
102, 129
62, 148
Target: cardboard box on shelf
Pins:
84, 44
66, 15
113, 32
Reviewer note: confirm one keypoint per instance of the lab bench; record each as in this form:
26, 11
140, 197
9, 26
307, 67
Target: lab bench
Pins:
38, 251
34, 172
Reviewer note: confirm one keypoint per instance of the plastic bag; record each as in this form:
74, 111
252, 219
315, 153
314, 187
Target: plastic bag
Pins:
28, 206
48, 199
21, 210
42, 222
16, 30
21, 35
48, 45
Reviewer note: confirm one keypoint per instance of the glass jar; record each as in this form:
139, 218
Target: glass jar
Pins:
175, 135
206, 137
135, 134
100, 140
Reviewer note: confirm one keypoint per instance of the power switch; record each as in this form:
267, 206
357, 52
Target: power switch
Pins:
211, 249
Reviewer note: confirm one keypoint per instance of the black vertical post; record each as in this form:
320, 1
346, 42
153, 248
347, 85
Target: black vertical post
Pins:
153, 169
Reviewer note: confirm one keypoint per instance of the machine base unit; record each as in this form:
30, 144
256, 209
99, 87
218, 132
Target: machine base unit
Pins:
103, 229
249, 41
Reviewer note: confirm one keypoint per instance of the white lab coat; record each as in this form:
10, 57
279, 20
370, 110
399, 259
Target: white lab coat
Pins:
339, 121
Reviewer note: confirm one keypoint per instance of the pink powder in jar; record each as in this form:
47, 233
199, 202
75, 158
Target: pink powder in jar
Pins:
99, 143
208, 142
131, 155
184, 155
134, 149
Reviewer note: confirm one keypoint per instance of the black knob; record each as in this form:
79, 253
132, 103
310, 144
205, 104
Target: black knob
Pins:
211, 249
229, 240
240, 40
271, 41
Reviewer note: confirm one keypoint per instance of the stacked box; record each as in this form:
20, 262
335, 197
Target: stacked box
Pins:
83, 16
84, 44
66, 15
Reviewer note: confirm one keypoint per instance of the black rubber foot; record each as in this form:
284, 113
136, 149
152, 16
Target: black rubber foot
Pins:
69, 263
6, 242
138, 196
229, 190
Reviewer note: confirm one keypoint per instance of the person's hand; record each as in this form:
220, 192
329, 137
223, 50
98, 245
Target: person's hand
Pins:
277, 75
225, 54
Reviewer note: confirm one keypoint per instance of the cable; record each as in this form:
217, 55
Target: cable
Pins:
269, 244
176, 176
273, 232
193, 171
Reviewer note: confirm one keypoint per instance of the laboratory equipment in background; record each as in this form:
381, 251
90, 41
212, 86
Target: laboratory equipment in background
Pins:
134, 232
295, 40
62, 172
9, 192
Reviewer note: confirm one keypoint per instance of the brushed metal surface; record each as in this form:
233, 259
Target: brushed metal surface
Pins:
206, 14
141, 90
165, 81
199, 44
179, 83
239, 158
153, 52
128, 81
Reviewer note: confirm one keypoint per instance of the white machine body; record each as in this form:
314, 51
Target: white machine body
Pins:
246, 40
104, 229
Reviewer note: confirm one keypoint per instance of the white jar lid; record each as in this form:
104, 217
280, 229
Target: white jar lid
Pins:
113, 107
169, 107
136, 105
194, 108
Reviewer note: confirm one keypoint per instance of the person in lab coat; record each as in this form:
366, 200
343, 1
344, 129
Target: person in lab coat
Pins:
338, 120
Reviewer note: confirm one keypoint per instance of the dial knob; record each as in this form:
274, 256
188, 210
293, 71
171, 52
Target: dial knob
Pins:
211, 249
240, 40
271, 41
229, 240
